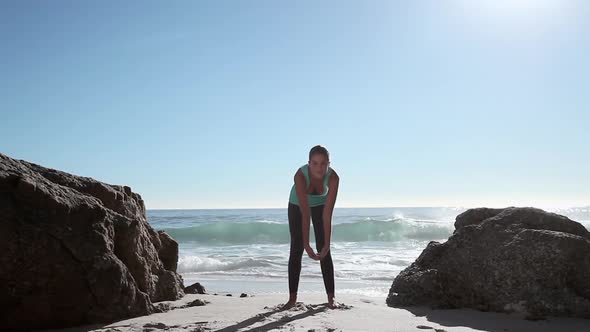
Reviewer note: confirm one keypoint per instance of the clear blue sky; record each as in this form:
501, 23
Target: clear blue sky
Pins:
215, 104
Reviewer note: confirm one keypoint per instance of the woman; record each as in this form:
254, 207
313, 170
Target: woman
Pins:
313, 195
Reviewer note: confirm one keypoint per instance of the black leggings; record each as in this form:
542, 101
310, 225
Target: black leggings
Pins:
296, 230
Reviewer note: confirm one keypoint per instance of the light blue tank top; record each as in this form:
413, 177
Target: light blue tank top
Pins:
312, 200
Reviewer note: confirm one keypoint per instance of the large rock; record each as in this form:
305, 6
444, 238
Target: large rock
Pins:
506, 260
74, 251
195, 288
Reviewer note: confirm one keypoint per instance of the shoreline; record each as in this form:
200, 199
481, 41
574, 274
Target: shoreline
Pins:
356, 313
275, 286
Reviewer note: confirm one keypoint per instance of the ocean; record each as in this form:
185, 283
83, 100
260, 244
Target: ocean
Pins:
247, 250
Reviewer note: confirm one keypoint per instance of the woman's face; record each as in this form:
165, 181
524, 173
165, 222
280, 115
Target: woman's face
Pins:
318, 165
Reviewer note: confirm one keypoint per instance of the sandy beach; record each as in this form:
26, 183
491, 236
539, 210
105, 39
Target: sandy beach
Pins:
262, 313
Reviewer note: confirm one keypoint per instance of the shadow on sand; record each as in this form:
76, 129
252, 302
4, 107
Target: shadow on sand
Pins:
496, 322
310, 310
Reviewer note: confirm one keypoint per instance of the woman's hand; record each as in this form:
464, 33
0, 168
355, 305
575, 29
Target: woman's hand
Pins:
311, 253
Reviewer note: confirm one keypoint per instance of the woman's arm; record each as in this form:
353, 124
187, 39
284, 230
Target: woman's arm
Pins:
301, 190
328, 209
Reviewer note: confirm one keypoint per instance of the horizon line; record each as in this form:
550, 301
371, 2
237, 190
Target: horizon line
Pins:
380, 207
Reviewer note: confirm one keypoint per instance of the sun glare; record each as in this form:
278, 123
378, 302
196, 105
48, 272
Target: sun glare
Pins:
518, 7
519, 16
522, 6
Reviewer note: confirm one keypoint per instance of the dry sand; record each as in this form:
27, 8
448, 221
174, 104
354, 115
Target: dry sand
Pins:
356, 313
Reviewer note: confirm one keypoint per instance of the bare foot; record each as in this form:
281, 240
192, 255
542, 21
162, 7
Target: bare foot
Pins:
289, 305
331, 301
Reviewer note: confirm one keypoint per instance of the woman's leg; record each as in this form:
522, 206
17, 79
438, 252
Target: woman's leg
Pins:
326, 263
296, 251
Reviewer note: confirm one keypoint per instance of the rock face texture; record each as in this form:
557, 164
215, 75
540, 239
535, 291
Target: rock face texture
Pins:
521, 260
75, 251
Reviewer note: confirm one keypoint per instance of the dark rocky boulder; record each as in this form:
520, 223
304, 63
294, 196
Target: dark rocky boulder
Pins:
195, 288
521, 260
75, 251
